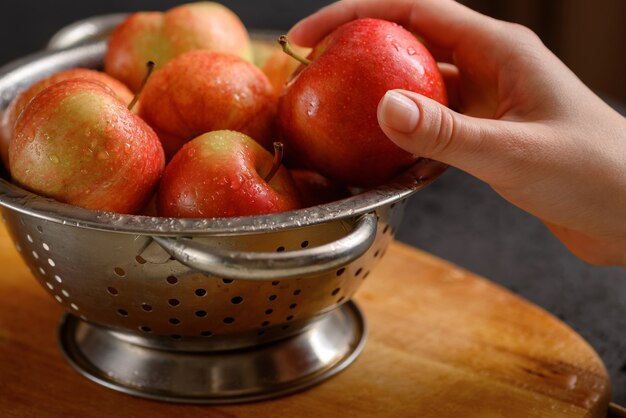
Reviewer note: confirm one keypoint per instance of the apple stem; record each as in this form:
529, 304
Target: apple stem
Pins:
149, 69
287, 49
278, 158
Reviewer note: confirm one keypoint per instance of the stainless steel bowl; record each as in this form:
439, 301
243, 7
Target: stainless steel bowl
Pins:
202, 310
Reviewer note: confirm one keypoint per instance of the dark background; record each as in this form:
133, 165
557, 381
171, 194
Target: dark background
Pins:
457, 218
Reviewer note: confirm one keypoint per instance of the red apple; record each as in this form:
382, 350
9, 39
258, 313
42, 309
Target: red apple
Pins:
327, 113
316, 189
150, 208
159, 37
279, 67
223, 174
77, 143
22, 99
204, 91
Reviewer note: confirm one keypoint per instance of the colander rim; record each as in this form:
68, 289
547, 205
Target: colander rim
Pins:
418, 176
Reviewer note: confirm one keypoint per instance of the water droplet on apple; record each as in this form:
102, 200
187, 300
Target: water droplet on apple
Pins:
102, 155
54, 159
222, 181
235, 184
411, 50
396, 45
312, 107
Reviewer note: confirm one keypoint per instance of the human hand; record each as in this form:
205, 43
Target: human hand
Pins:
527, 125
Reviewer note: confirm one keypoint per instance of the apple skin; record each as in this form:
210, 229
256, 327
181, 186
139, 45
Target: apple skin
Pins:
327, 113
150, 208
315, 189
9, 117
159, 37
77, 143
279, 67
204, 91
262, 50
221, 174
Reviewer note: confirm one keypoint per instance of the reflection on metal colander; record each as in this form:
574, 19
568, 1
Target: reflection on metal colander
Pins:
129, 283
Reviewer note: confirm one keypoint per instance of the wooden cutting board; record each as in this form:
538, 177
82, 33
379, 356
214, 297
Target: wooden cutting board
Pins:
443, 343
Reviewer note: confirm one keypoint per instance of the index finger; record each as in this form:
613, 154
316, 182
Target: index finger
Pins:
444, 23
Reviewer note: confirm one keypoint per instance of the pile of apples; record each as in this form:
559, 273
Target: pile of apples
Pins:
206, 132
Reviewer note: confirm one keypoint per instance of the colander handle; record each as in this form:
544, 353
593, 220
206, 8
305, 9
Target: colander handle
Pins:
273, 265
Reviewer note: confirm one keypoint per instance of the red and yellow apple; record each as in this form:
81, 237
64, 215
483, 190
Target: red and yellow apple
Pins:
224, 174
261, 51
10, 116
315, 189
204, 91
279, 67
159, 37
78, 143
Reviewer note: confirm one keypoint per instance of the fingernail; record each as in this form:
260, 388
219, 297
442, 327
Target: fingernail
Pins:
399, 112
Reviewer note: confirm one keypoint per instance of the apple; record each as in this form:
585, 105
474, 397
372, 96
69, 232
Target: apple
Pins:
7, 123
150, 208
78, 143
225, 174
262, 50
315, 189
279, 67
327, 114
204, 91
159, 37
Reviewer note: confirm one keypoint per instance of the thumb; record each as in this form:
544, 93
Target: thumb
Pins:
424, 127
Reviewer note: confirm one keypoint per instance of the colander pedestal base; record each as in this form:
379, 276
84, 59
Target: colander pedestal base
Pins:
262, 372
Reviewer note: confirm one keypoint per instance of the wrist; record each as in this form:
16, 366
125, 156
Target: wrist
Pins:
600, 251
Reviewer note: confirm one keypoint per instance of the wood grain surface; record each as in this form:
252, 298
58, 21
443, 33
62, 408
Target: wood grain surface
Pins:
442, 343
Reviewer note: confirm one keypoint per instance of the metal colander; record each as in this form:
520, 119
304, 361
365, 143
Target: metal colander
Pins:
202, 310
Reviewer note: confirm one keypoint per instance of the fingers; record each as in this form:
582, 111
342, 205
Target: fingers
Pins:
600, 252
443, 23
424, 127
439, 53
451, 78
